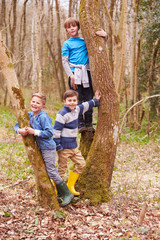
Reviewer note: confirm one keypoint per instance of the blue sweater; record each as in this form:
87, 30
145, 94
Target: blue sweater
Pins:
43, 123
66, 125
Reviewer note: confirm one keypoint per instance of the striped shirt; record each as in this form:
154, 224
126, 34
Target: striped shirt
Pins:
66, 125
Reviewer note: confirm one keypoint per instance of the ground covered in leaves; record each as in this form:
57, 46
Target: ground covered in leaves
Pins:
132, 213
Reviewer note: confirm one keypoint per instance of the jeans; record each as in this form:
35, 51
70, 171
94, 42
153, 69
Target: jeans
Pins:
49, 157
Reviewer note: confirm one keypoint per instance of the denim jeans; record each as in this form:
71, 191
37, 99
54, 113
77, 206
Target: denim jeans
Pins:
85, 94
49, 157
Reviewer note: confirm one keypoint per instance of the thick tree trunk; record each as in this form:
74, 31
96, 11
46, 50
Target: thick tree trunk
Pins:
46, 192
96, 178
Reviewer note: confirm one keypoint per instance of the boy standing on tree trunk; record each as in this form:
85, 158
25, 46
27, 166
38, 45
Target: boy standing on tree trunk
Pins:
76, 64
65, 134
41, 128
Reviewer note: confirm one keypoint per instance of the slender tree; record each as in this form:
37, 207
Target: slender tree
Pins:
63, 87
37, 31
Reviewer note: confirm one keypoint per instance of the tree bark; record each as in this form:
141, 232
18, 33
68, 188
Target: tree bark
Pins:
39, 68
46, 191
96, 178
12, 26
63, 86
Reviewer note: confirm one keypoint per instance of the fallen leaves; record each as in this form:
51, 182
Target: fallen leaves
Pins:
135, 182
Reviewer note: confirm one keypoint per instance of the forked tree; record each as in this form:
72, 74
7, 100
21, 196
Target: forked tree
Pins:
95, 180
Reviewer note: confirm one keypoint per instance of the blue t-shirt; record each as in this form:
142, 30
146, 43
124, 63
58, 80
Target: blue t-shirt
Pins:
76, 49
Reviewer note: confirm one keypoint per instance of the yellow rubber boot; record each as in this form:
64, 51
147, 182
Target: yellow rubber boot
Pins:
71, 182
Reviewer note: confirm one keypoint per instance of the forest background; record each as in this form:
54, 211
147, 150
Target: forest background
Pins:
33, 32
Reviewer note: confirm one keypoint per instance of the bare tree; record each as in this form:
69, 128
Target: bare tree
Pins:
63, 87
22, 37
37, 28
12, 24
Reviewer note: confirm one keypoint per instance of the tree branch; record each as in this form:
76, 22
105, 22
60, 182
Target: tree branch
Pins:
134, 105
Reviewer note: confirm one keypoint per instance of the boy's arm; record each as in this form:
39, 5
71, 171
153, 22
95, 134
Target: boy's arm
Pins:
68, 71
66, 66
58, 126
21, 131
84, 107
46, 129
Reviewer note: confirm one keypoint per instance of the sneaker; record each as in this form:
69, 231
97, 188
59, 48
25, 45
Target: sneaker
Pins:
82, 128
90, 128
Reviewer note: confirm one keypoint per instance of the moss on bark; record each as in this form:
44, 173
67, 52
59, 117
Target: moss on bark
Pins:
94, 182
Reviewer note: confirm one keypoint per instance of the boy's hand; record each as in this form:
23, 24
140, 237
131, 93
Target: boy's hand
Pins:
73, 85
97, 95
30, 130
22, 131
102, 33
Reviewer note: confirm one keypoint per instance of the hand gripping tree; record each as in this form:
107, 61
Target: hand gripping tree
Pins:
46, 191
95, 180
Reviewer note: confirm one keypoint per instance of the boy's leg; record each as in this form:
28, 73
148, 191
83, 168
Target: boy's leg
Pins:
78, 159
88, 95
80, 163
49, 156
63, 156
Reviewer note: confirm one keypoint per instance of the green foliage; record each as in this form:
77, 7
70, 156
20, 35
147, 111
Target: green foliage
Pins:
150, 50
60, 214
7, 214
7, 119
141, 136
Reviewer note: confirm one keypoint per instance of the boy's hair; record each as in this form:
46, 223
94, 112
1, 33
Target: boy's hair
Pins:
41, 96
72, 21
70, 93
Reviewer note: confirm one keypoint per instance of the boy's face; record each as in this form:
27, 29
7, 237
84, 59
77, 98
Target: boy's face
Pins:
71, 102
72, 30
36, 105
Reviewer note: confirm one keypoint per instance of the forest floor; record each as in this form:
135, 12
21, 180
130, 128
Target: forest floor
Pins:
135, 187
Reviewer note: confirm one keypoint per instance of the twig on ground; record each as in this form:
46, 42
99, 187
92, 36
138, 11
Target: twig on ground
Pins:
142, 214
18, 183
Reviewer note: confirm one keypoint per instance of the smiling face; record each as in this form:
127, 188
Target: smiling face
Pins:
36, 105
72, 30
71, 102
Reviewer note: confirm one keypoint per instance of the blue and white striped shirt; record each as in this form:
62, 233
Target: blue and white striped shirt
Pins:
66, 125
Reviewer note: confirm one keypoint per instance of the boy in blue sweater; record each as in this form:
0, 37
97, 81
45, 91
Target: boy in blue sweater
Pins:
41, 128
65, 134
76, 64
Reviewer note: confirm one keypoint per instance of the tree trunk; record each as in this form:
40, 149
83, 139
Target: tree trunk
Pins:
134, 63
54, 63
39, 69
96, 178
12, 26
70, 8
34, 63
46, 192
63, 86
21, 43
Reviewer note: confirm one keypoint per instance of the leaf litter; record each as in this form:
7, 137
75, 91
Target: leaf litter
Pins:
135, 182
